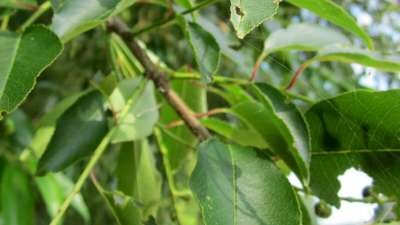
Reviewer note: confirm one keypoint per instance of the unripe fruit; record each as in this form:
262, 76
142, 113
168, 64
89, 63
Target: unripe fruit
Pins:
367, 192
322, 209
7, 127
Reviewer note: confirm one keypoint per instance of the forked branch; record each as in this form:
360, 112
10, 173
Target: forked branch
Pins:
160, 80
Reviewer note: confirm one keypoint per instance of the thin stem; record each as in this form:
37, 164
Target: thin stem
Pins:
42, 9
216, 79
257, 66
347, 199
4, 23
212, 112
298, 73
175, 137
300, 97
168, 172
82, 178
172, 17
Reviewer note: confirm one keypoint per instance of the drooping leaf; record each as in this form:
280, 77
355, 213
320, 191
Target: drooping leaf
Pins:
332, 12
22, 58
281, 125
243, 61
138, 177
46, 127
78, 132
135, 108
359, 129
16, 197
247, 15
72, 17
54, 188
237, 185
390, 63
204, 46
303, 36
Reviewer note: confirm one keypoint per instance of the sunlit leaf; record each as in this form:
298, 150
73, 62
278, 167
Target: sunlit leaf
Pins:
332, 12
303, 36
247, 15
135, 110
390, 63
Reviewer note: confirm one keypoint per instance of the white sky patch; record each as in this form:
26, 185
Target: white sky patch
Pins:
352, 183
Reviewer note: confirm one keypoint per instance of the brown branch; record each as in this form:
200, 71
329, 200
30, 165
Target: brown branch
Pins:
255, 69
212, 112
160, 80
295, 77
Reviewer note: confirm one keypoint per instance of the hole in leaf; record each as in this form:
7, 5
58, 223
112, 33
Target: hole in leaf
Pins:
239, 11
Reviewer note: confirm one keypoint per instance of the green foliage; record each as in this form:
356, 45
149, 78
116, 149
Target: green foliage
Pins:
247, 15
332, 12
221, 183
23, 57
135, 110
153, 102
78, 132
205, 48
16, 197
303, 36
351, 131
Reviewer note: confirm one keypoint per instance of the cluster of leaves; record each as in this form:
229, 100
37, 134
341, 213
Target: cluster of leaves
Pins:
151, 168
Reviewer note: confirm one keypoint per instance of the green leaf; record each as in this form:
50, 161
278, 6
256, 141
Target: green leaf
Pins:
195, 97
357, 129
281, 125
23, 57
247, 15
390, 63
16, 197
135, 108
240, 135
44, 132
204, 46
72, 17
124, 208
332, 12
138, 177
237, 185
303, 36
54, 188
78, 132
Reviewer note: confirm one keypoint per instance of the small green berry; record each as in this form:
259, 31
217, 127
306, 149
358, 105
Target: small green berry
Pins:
322, 209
